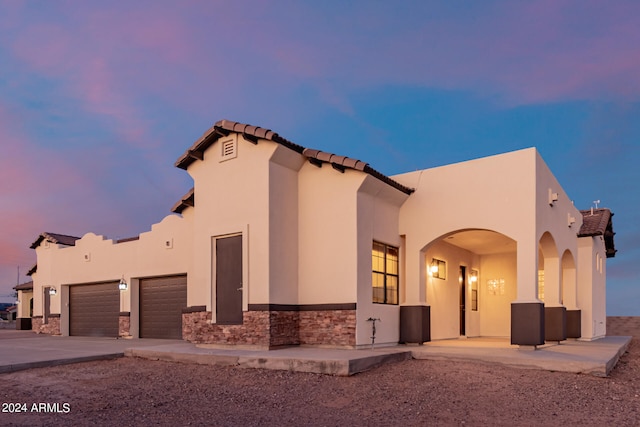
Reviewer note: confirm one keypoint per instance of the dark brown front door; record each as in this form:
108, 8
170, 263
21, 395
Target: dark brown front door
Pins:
463, 293
94, 310
228, 252
161, 302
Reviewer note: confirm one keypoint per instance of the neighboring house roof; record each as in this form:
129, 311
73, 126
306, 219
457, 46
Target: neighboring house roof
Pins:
186, 201
597, 222
27, 286
253, 133
60, 239
32, 270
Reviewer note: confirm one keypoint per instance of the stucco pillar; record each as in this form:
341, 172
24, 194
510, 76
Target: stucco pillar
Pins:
570, 300
555, 315
552, 296
527, 311
415, 314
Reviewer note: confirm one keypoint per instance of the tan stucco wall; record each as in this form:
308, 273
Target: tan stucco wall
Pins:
327, 232
444, 294
377, 219
165, 250
232, 197
24, 297
494, 193
592, 287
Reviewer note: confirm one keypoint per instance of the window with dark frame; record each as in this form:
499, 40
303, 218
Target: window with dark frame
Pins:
384, 276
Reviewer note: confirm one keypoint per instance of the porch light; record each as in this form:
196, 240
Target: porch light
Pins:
52, 291
474, 276
438, 269
123, 284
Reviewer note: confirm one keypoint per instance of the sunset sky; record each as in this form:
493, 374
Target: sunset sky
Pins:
98, 99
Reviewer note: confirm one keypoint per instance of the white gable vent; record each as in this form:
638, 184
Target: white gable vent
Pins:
229, 150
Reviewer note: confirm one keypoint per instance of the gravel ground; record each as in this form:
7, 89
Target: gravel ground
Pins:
138, 392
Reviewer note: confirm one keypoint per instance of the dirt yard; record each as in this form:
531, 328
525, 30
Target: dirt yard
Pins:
134, 392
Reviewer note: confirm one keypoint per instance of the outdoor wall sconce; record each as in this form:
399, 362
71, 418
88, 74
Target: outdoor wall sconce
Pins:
123, 284
52, 291
473, 278
438, 269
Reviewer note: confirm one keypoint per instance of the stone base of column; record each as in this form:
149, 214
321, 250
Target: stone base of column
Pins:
415, 324
527, 323
574, 323
555, 324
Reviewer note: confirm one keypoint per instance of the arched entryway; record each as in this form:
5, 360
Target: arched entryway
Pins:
470, 283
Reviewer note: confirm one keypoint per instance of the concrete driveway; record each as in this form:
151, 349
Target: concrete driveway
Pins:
26, 349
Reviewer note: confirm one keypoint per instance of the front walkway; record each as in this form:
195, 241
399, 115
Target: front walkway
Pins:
24, 350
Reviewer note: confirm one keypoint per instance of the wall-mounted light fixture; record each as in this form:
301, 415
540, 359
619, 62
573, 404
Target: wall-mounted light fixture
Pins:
52, 291
570, 220
123, 284
473, 277
438, 269
553, 197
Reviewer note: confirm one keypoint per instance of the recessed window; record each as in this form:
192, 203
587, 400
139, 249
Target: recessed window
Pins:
438, 269
473, 278
384, 276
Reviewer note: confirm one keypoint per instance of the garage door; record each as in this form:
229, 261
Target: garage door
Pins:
94, 310
161, 302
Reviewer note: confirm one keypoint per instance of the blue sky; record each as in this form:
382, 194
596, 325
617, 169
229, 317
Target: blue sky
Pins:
98, 99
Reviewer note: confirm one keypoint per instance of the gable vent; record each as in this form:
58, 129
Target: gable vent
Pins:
229, 150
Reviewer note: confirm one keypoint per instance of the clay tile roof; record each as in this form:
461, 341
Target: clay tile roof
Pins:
60, 239
24, 286
224, 127
598, 222
347, 162
187, 200
32, 270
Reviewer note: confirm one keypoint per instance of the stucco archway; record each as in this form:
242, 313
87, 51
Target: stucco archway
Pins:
470, 278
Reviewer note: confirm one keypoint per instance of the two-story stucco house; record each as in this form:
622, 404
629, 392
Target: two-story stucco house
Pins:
277, 244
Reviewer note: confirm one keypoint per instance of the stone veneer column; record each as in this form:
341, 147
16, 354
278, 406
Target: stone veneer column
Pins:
124, 324
271, 325
51, 328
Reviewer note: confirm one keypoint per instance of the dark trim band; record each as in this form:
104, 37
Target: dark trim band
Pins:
302, 307
194, 309
125, 314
